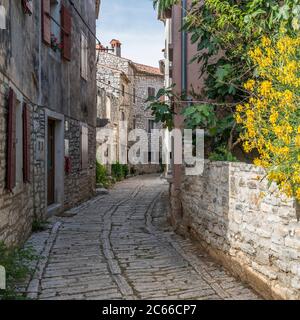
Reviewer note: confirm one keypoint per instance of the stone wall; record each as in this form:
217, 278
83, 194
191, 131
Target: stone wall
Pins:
142, 115
80, 184
39, 163
246, 225
17, 207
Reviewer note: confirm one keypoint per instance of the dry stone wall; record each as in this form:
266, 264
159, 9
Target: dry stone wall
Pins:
246, 225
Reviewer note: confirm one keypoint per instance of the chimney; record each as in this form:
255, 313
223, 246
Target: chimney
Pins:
116, 46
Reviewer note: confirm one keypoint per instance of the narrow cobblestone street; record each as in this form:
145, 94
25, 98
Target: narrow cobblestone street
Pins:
119, 246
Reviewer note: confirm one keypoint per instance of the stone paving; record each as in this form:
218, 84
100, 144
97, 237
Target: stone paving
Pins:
119, 246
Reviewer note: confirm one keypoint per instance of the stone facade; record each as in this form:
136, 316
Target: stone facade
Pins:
250, 228
146, 77
115, 97
16, 209
79, 182
126, 84
53, 88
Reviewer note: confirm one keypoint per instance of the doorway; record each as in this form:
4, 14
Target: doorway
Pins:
51, 162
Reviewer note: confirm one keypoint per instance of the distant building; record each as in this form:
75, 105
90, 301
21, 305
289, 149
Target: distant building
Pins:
128, 85
148, 81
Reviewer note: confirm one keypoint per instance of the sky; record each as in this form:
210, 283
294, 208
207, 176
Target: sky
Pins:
135, 24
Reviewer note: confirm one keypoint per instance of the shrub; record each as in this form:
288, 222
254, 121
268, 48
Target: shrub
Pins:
125, 170
101, 175
39, 225
271, 117
222, 154
117, 171
16, 263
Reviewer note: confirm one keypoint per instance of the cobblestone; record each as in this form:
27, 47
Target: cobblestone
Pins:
120, 246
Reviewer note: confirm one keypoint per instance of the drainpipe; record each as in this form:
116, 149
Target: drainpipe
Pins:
183, 49
176, 204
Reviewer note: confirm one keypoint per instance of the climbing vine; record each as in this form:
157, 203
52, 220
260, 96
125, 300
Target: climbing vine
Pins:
164, 5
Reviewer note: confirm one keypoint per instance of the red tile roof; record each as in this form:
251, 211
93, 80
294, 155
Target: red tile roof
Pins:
141, 68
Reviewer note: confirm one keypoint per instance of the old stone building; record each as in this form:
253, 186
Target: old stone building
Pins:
47, 111
148, 80
130, 84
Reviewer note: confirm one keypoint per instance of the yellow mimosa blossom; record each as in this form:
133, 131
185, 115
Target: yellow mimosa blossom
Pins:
271, 117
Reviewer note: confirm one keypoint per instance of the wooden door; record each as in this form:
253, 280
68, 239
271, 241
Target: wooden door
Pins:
51, 161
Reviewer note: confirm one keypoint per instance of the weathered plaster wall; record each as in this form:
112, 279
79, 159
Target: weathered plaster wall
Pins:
252, 231
19, 208
18, 69
112, 124
48, 84
64, 90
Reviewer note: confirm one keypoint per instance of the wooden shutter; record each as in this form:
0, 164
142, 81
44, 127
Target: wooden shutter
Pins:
26, 143
46, 22
27, 6
84, 147
66, 23
11, 142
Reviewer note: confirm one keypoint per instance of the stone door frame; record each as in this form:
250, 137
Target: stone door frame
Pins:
59, 119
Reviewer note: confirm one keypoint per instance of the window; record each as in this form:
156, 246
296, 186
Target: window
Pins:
18, 142
108, 108
134, 123
151, 125
123, 116
27, 6
151, 92
99, 104
55, 27
149, 156
84, 147
123, 90
84, 56
134, 93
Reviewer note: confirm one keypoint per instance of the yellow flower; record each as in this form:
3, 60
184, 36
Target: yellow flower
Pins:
266, 42
249, 85
270, 117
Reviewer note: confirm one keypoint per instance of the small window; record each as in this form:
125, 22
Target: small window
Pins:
123, 90
151, 92
84, 57
55, 25
108, 108
123, 116
134, 98
134, 123
151, 125
149, 156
